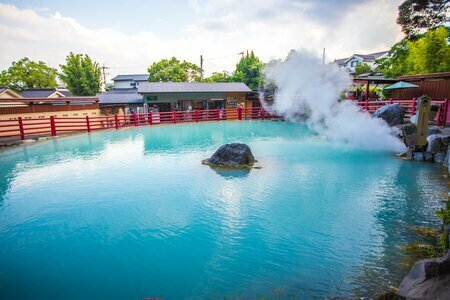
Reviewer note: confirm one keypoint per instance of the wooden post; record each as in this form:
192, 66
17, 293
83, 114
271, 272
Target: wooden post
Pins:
135, 119
52, 125
439, 114
414, 104
116, 120
218, 114
196, 116
174, 117
22, 132
88, 124
366, 105
150, 118
239, 113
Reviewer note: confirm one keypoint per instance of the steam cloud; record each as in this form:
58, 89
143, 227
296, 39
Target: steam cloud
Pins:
306, 87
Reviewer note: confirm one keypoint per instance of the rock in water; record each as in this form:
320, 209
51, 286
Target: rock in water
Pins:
428, 279
393, 114
231, 155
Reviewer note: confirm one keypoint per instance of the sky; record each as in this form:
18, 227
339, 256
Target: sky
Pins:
128, 36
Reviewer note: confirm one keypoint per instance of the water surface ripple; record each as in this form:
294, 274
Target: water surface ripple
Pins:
133, 214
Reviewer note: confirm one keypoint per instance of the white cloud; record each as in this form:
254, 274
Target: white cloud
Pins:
223, 29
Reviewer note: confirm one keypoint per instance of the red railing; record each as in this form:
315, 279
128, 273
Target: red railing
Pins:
21, 128
443, 114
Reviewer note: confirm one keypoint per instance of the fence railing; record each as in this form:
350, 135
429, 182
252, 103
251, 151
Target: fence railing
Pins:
21, 128
411, 107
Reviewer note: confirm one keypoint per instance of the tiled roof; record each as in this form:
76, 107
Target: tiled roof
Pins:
133, 77
192, 87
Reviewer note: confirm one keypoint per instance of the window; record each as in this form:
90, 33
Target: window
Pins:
354, 63
133, 84
152, 98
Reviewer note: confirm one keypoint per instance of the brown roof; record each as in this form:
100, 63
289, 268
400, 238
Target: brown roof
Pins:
425, 76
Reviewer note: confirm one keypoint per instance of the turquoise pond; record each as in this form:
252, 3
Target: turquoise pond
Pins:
133, 214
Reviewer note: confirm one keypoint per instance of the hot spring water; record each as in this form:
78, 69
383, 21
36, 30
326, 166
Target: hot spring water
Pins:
134, 214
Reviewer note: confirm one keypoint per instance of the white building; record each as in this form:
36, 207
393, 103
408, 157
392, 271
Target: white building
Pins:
351, 62
129, 81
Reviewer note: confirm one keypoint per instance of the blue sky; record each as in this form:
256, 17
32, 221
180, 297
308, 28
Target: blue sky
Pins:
162, 17
129, 36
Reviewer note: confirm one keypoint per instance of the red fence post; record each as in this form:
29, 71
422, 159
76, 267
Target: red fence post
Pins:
391, 101
439, 114
150, 118
22, 132
218, 114
116, 120
414, 104
196, 116
135, 119
174, 117
239, 113
366, 105
52, 125
446, 105
88, 124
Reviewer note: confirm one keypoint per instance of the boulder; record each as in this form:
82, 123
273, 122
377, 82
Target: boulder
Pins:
446, 161
434, 143
428, 156
409, 133
231, 155
439, 157
433, 130
393, 114
419, 156
428, 279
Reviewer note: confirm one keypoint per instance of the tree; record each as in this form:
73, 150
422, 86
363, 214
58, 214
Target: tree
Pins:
394, 64
362, 68
249, 70
416, 16
218, 77
430, 53
81, 74
174, 70
27, 74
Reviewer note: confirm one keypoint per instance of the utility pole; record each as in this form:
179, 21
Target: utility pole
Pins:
323, 57
104, 75
201, 67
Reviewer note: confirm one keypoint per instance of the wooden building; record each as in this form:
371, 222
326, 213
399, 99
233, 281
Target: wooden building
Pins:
168, 96
435, 85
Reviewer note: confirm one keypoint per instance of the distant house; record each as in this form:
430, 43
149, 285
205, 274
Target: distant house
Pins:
167, 96
45, 93
351, 62
127, 100
10, 94
129, 81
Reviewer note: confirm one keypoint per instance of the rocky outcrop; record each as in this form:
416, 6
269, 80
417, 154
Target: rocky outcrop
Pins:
393, 114
409, 135
428, 279
231, 156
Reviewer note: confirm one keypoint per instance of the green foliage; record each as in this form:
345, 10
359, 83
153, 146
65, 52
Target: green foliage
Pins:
81, 74
26, 74
218, 77
174, 70
429, 53
415, 16
394, 64
249, 70
362, 68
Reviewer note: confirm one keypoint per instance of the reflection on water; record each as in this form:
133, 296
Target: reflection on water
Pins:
134, 214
